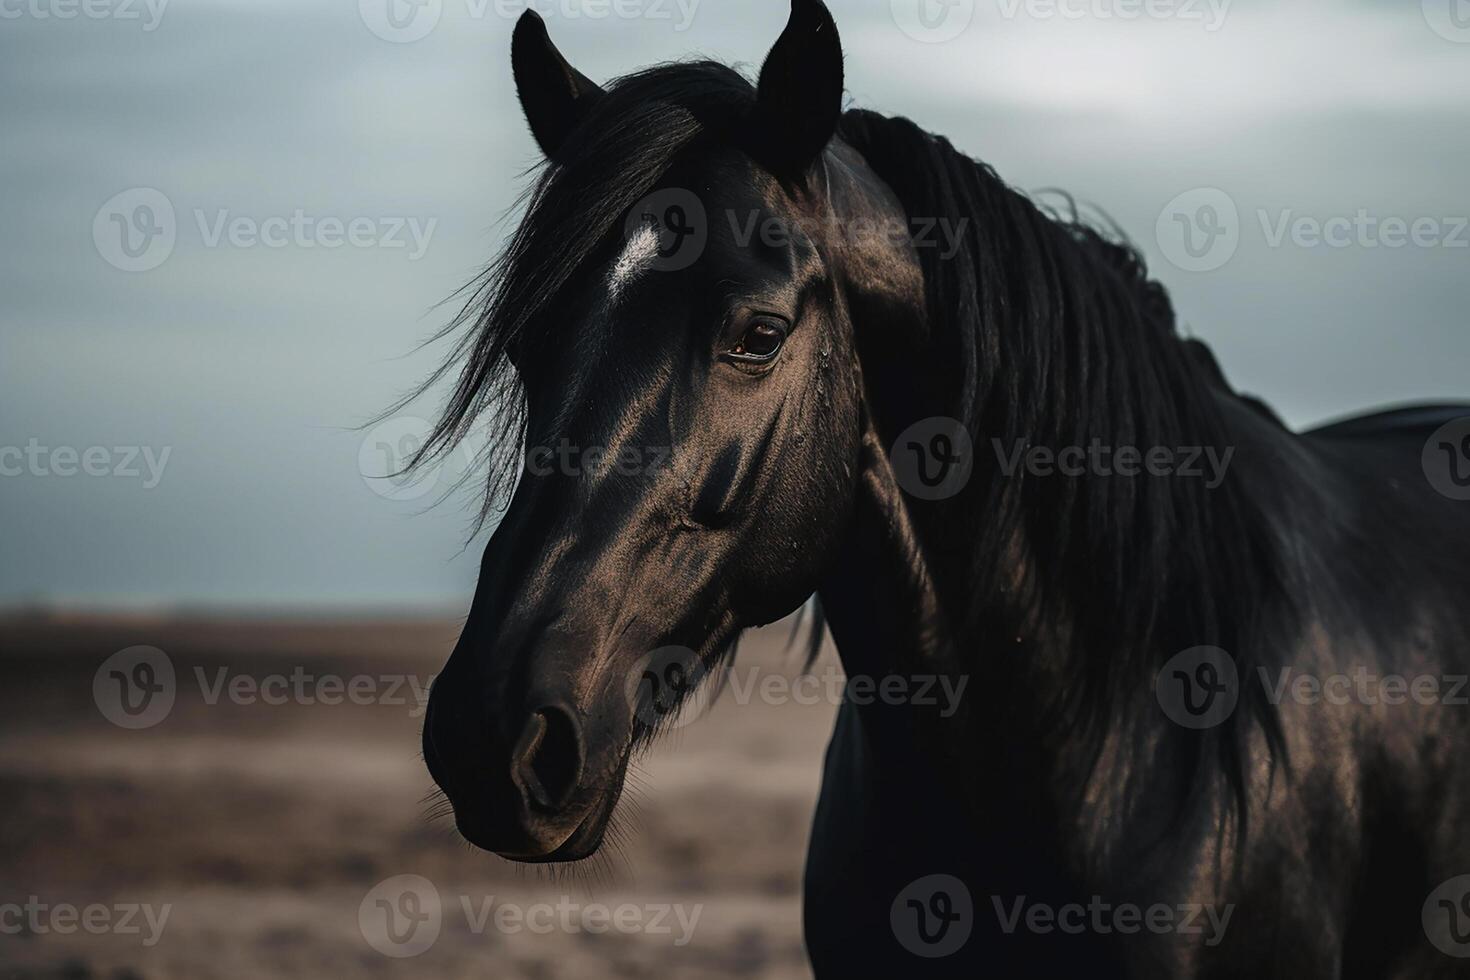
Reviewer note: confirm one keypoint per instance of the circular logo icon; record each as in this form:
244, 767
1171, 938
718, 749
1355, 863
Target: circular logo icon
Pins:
400, 21
932, 916
135, 687
933, 458
135, 229
1450, 19
932, 21
401, 916
1446, 459
1446, 917
661, 687
1198, 687
1199, 230
384, 455
666, 230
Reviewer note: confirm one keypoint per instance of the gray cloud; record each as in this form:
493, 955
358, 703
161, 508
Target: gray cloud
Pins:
253, 364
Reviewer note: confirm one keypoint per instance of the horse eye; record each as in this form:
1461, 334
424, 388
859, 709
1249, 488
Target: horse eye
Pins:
761, 341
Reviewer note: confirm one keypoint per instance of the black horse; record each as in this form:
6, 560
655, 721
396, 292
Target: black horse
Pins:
761, 348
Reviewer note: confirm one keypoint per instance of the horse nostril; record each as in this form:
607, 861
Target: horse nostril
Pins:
547, 760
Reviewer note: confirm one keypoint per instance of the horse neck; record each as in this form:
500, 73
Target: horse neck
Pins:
1064, 593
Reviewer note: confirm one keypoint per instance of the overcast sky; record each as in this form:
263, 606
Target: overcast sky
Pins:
229, 336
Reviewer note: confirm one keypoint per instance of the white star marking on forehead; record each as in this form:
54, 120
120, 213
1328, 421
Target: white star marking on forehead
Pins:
637, 255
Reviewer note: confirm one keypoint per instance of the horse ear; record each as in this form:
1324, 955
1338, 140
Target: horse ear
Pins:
554, 95
799, 95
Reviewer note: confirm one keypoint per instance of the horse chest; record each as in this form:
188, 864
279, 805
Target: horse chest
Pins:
897, 879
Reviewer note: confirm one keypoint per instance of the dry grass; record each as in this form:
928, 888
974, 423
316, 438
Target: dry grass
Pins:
263, 827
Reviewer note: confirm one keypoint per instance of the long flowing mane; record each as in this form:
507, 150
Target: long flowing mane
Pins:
1057, 337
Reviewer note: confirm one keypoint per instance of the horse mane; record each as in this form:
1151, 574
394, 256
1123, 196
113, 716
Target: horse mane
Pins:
1056, 336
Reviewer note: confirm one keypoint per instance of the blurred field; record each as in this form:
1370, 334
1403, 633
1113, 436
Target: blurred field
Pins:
264, 827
